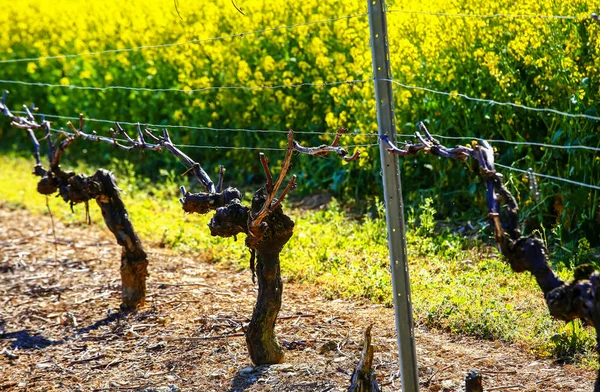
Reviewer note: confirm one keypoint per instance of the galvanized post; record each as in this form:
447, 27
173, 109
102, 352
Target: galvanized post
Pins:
393, 197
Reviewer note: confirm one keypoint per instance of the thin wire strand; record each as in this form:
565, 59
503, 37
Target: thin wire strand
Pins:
550, 177
60, 131
357, 133
259, 148
195, 41
184, 127
492, 102
464, 96
486, 16
264, 87
558, 146
110, 139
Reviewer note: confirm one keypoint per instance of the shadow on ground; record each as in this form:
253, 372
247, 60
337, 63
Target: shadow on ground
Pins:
275, 377
246, 377
25, 340
28, 340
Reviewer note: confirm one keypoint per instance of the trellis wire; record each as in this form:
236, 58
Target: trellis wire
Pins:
426, 89
493, 102
324, 84
110, 139
184, 127
261, 148
194, 90
549, 177
356, 133
194, 41
486, 16
545, 145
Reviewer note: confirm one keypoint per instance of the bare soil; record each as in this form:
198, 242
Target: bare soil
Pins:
60, 328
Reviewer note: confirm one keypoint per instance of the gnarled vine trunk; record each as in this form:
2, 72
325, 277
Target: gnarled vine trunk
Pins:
260, 336
579, 299
102, 187
266, 227
78, 188
134, 264
278, 228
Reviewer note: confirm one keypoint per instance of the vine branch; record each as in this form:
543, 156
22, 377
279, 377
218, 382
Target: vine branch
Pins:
578, 299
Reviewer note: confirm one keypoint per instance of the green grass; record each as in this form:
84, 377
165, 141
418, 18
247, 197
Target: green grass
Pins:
457, 284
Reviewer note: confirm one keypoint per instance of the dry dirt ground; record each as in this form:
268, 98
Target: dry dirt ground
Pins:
60, 329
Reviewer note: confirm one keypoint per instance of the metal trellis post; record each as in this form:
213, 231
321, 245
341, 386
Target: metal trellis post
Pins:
393, 197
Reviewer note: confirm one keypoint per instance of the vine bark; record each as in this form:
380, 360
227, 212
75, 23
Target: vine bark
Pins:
77, 188
578, 299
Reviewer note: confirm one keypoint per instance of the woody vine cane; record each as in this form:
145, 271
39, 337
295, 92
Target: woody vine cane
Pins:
267, 230
79, 188
266, 226
578, 299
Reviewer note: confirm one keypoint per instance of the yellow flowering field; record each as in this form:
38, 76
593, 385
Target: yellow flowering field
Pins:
492, 50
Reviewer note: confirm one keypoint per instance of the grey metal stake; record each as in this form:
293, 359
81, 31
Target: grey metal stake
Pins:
393, 198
